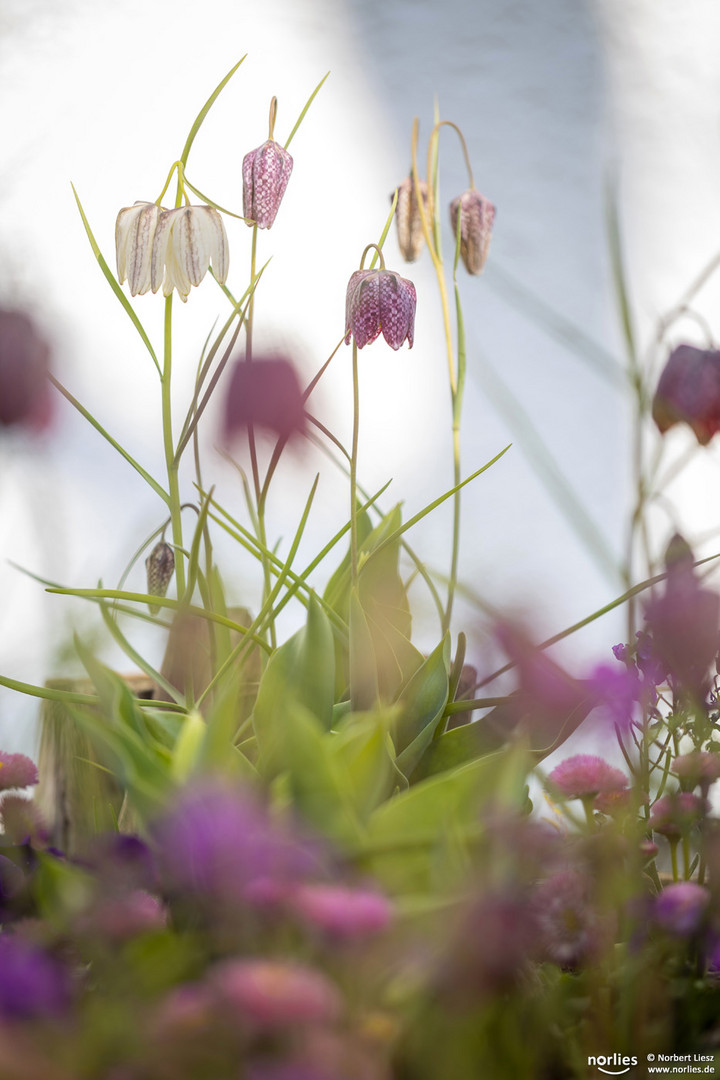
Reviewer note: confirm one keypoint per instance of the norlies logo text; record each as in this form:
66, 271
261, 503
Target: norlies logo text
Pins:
613, 1064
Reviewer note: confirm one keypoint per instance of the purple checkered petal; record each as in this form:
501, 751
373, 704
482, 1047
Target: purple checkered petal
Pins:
397, 309
266, 172
380, 301
477, 215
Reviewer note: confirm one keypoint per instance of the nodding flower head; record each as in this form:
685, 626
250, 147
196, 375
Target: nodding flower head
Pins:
477, 215
409, 223
380, 301
160, 566
266, 172
689, 392
172, 248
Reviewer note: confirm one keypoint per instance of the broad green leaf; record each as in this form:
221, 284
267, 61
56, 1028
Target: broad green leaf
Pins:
423, 703
457, 747
363, 752
363, 674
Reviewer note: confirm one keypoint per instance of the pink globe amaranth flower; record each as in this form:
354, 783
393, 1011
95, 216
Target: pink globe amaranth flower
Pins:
17, 771
380, 301
681, 908
584, 776
24, 388
265, 393
677, 814
341, 912
700, 768
274, 993
266, 172
477, 216
689, 392
120, 918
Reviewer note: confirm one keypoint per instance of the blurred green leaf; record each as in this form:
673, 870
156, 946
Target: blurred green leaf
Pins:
423, 703
363, 750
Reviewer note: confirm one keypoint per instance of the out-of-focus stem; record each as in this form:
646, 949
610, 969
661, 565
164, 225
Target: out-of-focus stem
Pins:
353, 466
172, 465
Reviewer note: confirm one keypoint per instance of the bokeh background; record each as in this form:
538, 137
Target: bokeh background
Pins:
560, 103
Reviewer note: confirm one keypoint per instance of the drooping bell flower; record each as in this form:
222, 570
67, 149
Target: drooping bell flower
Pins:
380, 301
266, 172
477, 215
265, 394
410, 234
24, 389
172, 248
689, 392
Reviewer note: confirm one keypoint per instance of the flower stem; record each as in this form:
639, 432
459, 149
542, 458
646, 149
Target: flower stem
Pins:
172, 465
353, 466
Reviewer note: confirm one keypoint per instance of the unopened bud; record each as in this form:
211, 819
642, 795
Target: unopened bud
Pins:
409, 224
477, 215
160, 566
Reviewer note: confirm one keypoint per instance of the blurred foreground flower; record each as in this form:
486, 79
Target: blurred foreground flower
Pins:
340, 912
172, 248
585, 776
273, 993
32, 983
24, 390
266, 172
265, 393
689, 392
477, 215
380, 301
681, 908
17, 771
411, 238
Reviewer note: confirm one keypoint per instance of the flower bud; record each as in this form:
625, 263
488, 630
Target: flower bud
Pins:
266, 172
380, 301
407, 215
477, 215
160, 566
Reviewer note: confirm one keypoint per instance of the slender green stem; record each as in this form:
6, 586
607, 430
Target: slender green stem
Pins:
172, 465
353, 466
673, 858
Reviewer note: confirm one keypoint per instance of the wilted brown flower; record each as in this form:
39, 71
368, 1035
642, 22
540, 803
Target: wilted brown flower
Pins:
407, 215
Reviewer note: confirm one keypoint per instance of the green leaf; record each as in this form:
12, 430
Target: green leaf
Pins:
363, 674
302, 672
364, 753
458, 747
423, 703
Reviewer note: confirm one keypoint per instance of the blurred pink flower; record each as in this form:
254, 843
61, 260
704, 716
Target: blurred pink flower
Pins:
17, 771
275, 993
380, 301
697, 769
677, 814
265, 393
341, 912
586, 775
689, 392
681, 908
24, 388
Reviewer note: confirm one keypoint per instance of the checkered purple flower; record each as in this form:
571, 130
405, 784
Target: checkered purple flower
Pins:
266, 172
380, 301
477, 215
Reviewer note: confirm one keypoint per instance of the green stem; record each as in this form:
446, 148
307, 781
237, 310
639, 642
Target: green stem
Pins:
353, 466
172, 465
673, 859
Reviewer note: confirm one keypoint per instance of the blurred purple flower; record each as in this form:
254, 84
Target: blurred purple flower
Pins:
217, 843
585, 775
341, 912
681, 908
265, 393
683, 622
689, 392
477, 216
274, 993
567, 925
17, 771
266, 172
677, 814
618, 692
285, 1070
119, 918
24, 388
380, 301
32, 983
697, 769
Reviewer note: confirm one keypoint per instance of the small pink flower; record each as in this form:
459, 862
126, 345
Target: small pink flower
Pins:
17, 771
266, 172
676, 815
477, 215
380, 301
342, 912
680, 908
697, 769
272, 993
584, 776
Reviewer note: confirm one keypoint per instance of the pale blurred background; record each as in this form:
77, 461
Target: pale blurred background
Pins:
556, 102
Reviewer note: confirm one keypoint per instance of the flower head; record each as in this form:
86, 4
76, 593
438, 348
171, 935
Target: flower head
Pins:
32, 983
172, 248
586, 775
697, 769
477, 215
274, 993
689, 392
407, 216
677, 814
266, 172
24, 397
160, 566
265, 394
380, 301
341, 912
17, 771
680, 908
568, 926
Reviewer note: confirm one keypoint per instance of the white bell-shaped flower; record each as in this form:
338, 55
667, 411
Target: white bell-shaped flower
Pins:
134, 236
187, 241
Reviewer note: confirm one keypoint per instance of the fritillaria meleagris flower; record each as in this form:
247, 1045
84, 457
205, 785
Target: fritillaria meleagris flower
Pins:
407, 215
265, 393
477, 215
689, 392
172, 248
160, 565
266, 172
380, 301
24, 355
